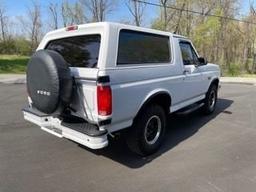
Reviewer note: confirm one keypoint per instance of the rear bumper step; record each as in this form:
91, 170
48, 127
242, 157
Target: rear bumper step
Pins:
81, 132
85, 128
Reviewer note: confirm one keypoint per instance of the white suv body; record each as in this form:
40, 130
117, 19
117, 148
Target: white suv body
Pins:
133, 83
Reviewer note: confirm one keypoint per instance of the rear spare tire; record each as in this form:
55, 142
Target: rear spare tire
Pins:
49, 81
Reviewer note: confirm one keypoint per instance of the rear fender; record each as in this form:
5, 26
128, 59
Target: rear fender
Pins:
150, 97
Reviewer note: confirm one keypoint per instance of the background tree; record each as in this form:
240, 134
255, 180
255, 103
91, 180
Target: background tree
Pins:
137, 10
207, 22
54, 21
32, 24
3, 22
72, 13
98, 9
164, 13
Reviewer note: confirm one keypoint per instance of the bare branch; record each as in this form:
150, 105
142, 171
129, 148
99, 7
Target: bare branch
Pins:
72, 13
54, 15
3, 22
32, 25
98, 9
137, 10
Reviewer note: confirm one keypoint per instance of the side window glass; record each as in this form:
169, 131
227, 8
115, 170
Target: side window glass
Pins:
196, 61
188, 54
137, 47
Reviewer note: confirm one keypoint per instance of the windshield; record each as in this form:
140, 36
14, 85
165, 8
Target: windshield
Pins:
78, 51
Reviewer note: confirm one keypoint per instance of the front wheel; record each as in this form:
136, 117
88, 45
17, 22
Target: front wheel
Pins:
147, 132
210, 100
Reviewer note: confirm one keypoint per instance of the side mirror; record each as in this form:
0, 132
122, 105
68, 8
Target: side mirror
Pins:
202, 61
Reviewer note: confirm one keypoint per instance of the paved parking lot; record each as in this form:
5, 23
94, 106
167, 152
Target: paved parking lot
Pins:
201, 153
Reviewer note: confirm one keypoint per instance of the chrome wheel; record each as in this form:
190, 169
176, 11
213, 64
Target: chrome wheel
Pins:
153, 129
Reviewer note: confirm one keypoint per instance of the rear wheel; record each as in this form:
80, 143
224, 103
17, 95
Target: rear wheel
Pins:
210, 100
147, 133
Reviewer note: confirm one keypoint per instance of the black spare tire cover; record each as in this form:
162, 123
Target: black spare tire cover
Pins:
49, 81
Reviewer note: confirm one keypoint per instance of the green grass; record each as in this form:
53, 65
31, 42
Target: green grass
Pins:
13, 63
249, 75
237, 73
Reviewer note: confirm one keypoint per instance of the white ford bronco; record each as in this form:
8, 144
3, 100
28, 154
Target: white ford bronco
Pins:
89, 82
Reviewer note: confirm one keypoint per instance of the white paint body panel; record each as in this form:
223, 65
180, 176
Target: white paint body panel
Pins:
132, 85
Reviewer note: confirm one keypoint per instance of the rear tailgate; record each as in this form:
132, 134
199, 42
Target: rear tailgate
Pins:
82, 49
85, 95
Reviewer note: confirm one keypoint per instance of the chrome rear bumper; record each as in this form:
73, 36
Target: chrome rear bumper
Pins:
54, 126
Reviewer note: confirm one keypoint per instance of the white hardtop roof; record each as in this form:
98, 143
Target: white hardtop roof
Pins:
119, 26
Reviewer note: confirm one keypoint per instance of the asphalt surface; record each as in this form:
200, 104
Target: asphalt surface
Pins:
215, 153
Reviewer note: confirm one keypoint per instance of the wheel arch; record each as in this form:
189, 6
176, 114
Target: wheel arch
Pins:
161, 97
215, 81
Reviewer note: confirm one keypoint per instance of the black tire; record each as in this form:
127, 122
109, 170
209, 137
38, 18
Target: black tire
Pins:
210, 100
137, 139
49, 81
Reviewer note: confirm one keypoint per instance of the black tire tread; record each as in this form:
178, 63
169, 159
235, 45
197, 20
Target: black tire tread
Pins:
205, 108
134, 136
47, 71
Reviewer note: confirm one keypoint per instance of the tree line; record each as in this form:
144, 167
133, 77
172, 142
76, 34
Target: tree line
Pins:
208, 23
219, 37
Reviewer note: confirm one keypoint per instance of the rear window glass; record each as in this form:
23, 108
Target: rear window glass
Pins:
139, 48
78, 51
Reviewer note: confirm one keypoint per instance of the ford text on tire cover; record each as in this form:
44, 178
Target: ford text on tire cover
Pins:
90, 82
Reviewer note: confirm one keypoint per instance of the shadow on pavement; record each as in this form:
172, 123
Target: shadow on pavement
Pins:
179, 128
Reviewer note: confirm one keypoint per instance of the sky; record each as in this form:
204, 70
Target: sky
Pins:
17, 8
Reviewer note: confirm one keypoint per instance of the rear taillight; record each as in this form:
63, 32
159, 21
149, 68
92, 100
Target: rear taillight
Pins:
104, 99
